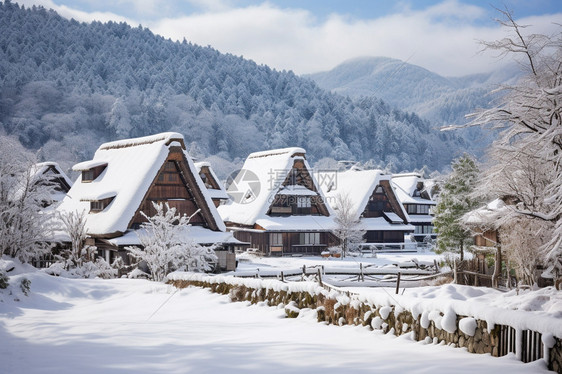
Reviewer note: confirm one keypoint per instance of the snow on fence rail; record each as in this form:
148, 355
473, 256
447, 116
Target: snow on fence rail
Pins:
478, 329
365, 274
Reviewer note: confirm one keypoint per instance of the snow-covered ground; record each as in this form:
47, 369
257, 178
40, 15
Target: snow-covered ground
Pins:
136, 326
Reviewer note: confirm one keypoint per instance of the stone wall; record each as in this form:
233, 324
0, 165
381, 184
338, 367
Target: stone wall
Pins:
342, 310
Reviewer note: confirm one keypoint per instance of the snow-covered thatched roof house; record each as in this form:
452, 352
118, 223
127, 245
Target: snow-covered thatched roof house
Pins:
484, 223
414, 193
125, 177
373, 202
212, 183
52, 173
277, 205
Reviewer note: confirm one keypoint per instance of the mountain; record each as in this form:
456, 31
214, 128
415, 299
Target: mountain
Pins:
441, 100
66, 87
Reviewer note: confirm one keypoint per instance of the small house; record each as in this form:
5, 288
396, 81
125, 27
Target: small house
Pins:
51, 173
374, 204
414, 193
126, 177
277, 206
212, 183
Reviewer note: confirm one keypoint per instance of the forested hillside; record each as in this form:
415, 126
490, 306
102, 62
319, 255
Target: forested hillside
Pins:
441, 100
66, 87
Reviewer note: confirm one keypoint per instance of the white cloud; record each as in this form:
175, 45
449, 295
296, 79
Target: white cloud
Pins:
78, 15
442, 38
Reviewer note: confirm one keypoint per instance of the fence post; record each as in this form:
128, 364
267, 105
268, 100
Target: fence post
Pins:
320, 278
455, 275
361, 277
282, 277
397, 283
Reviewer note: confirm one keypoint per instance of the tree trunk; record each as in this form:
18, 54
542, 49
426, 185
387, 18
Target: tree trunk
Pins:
462, 250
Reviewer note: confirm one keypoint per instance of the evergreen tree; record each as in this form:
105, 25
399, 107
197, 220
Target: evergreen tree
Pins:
454, 201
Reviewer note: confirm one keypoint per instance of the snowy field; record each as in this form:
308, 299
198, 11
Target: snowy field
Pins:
136, 326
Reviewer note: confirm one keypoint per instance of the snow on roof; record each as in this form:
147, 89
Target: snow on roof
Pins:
485, 214
291, 151
42, 167
87, 165
357, 184
379, 223
297, 223
297, 190
260, 179
393, 217
213, 192
132, 165
197, 234
166, 138
405, 185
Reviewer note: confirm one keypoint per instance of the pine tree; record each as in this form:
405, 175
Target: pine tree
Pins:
454, 201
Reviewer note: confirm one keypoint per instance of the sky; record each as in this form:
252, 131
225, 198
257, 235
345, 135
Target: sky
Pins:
308, 36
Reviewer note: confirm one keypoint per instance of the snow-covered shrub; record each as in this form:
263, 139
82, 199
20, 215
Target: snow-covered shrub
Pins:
167, 246
25, 286
4, 279
81, 260
24, 228
347, 226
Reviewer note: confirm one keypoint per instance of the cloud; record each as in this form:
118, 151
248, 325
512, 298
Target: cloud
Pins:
82, 16
442, 38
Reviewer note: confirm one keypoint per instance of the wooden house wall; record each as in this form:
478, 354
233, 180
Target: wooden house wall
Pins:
385, 201
291, 242
381, 236
208, 179
175, 185
488, 238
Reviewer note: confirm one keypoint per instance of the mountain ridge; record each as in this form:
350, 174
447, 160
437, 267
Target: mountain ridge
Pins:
66, 87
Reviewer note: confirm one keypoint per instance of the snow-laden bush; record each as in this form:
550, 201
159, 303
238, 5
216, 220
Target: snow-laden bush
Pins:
81, 260
24, 228
4, 279
167, 245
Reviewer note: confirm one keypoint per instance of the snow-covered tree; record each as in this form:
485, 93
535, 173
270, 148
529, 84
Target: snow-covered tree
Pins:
81, 259
454, 201
167, 246
347, 225
24, 225
529, 116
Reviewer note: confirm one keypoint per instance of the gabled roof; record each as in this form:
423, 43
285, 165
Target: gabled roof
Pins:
406, 184
132, 166
219, 193
52, 172
359, 186
485, 216
42, 167
260, 179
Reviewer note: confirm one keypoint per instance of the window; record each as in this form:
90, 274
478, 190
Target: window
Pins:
423, 229
303, 202
99, 205
276, 239
170, 166
92, 173
88, 175
309, 238
417, 209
